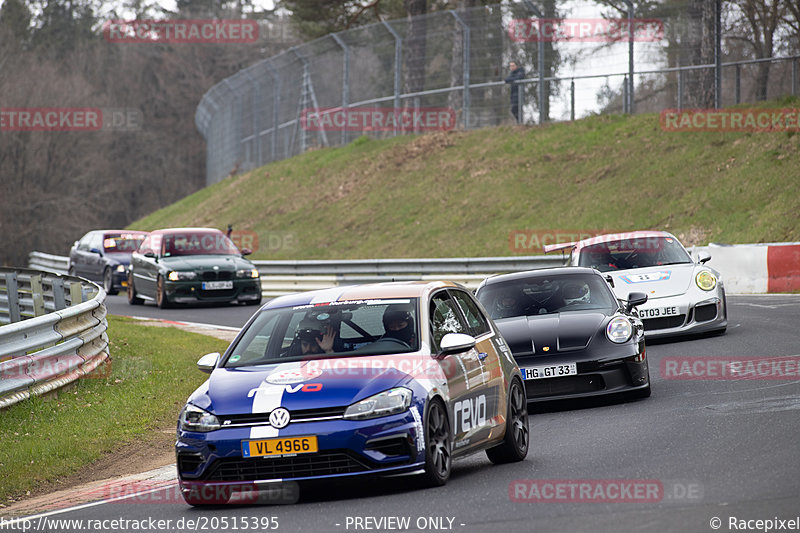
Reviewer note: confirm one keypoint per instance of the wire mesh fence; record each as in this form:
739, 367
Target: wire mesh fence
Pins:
448, 69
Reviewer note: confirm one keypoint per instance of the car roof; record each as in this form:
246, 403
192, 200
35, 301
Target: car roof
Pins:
609, 237
184, 230
540, 272
387, 290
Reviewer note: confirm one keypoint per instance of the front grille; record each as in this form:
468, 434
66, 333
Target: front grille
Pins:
665, 322
704, 313
305, 465
217, 275
537, 388
299, 415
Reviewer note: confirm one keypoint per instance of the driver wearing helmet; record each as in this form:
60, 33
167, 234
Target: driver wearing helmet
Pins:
505, 305
314, 337
398, 323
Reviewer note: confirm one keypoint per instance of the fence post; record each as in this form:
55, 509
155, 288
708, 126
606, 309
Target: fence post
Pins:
276, 95
718, 54
466, 50
255, 111
540, 49
631, 104
738, 86
625, 94
13, 297
398, 57
680, 89
794, 76
345, 79
572, 100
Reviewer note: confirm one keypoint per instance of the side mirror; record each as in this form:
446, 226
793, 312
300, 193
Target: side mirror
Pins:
610, 280
456, 343
151, 255
634, 299
96, 251
246, 251
208, 362
703, 257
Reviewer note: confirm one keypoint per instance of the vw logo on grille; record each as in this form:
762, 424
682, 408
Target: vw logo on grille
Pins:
279, 418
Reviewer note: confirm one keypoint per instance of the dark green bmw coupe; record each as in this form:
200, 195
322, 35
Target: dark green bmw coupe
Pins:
189, 265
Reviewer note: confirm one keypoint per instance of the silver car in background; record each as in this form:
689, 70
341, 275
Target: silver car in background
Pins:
684, 295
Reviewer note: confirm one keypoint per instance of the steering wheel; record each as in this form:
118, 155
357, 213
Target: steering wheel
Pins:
404, 344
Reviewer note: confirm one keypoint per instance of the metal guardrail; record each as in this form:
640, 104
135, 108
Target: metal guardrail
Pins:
56, 264
285, 277
55, 332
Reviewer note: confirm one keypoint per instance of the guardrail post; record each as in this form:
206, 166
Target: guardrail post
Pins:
37, 294
75, 293
13, 297
58, 294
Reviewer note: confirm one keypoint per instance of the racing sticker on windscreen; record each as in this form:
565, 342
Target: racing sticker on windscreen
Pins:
661, 275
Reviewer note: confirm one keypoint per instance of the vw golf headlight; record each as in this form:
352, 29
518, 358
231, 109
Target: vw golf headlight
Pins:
193, 418
388, 402
247, 273
619, 330
120, 268
181, 276
706, 280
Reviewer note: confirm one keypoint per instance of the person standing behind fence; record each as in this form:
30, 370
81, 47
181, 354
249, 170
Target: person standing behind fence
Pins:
517, 73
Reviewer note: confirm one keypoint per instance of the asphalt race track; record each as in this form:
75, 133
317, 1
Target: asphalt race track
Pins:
696, 452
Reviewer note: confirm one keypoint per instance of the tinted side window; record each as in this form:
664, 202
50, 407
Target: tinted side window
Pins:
475, 319
83, 244
147, 245
444, 318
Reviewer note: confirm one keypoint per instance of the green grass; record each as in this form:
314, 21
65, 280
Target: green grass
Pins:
153, 371
462, 193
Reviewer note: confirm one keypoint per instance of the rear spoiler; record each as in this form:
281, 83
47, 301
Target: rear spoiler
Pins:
547, 248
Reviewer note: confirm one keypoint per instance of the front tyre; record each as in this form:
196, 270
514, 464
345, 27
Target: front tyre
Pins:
108, 282
438, 439
517, 438
133, 299
161, 294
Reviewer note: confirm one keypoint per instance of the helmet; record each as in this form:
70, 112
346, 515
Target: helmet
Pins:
312, 327
395, 314
575, 292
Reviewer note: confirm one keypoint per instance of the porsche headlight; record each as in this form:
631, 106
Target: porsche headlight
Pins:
619, 330
193, 418
388, 402
247, 273
181, 276
706, 280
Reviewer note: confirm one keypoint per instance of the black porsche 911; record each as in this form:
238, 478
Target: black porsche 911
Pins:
569, 333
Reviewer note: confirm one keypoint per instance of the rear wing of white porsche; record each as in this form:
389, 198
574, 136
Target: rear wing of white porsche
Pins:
547, 248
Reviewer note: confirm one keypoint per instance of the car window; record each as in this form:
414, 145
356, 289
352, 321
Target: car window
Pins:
122, 242
198, 243
475, 319
444, 318
547, 294
353, 328
637, 252
83, 244
96, 241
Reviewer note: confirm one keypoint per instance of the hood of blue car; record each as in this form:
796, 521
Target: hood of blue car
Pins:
294, 386
550, 334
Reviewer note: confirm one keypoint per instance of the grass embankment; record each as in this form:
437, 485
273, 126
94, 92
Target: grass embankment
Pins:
152, 373
462, 193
